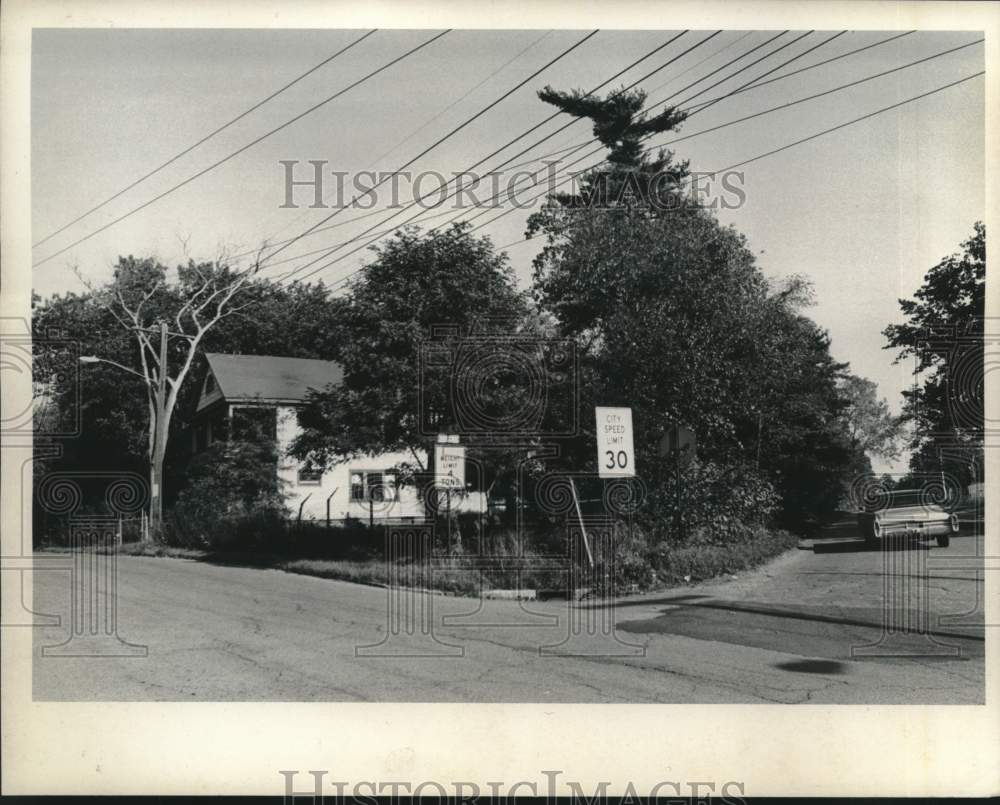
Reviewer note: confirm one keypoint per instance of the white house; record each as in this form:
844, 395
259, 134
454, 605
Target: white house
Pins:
269, 390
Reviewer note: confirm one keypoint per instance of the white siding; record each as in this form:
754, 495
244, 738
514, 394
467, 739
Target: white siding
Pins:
336, 481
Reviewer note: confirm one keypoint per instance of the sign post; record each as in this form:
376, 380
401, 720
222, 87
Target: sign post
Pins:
583, 528
675, 440
615, 455
449, 471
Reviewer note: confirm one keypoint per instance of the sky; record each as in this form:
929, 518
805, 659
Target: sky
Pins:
862, 212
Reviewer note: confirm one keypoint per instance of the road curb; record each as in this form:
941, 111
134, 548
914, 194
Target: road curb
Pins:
511, 595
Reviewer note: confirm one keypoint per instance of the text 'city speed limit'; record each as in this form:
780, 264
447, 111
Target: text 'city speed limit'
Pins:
615, 455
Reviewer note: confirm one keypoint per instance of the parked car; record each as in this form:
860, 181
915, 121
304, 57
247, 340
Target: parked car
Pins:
901, 518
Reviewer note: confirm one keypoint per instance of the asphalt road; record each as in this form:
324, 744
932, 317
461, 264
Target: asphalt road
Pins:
809, 627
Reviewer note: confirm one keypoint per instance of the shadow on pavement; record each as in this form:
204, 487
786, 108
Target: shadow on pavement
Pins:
812, 666
844, 546
243, 559
883, 575
860, 546
676, 599
651, 624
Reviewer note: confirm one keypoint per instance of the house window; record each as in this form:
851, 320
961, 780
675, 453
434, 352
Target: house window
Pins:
310, 475
373, 485
210, 383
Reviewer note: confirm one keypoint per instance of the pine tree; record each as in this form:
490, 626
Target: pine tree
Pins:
632, 178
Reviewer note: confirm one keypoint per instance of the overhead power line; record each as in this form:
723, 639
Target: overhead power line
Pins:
759, 114
206, 138
421, 212
727, 124
753, 81
756, 85
747, 85
457, 190
808, 67
417, 130
819, 134
506, 145
658, 103
440, 140
664, 103
796, 102
661, 145
345, 279
249, 145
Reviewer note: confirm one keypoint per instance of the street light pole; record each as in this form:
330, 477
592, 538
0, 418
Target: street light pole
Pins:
160, 439
157, 426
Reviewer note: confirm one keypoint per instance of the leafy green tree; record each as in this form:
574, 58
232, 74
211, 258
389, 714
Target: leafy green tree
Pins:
165, 324
806, 448
674, 318
873, 429
448, 290
943, 333
232, 497
112, 404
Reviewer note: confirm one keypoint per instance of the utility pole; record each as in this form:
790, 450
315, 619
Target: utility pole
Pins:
160, 440
760, 425
158, 428
678, 515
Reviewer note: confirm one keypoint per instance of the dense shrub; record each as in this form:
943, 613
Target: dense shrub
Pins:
719, 505
622, 565
232, 500
352, 540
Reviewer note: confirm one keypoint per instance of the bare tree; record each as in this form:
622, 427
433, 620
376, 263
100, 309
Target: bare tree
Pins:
207, 294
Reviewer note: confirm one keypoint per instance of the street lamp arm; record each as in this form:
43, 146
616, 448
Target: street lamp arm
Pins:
95, 359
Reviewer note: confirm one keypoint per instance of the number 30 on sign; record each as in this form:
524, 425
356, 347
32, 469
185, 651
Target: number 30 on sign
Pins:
615, 456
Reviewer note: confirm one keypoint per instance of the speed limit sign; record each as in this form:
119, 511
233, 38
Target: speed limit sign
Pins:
615, 456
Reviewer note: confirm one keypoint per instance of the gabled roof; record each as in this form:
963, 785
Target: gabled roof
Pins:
267, 378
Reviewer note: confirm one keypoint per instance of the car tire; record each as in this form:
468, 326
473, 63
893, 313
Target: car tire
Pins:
944, 540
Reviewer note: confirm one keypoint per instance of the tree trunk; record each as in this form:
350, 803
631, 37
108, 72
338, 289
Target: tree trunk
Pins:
155, 497
156, 481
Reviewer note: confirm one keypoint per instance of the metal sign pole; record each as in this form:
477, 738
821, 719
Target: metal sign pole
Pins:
676, 439
677, 479
583, 528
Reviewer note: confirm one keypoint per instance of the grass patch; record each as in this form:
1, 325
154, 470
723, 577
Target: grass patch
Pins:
455, 580
690, 563
139, 549
671, 565
156, 549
